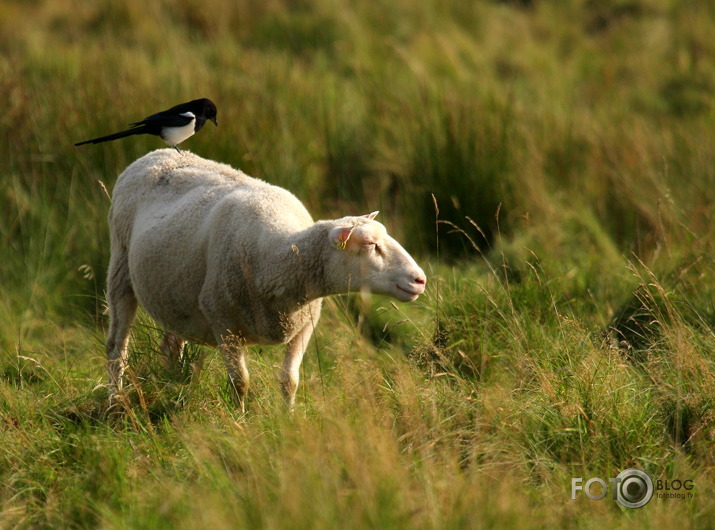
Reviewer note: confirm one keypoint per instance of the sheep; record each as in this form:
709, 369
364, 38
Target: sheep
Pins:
227, 260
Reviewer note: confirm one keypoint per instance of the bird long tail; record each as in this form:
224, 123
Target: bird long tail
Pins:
115, 136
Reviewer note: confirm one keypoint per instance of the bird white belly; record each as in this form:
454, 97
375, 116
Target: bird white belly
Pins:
175, 135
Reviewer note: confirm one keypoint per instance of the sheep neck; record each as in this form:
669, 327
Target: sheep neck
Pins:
305, 261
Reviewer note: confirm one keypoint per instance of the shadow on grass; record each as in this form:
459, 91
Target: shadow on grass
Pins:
143, 406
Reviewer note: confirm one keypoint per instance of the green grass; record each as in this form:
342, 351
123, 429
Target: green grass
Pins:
550, 164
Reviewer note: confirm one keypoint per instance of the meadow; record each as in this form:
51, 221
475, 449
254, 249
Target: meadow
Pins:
550, 165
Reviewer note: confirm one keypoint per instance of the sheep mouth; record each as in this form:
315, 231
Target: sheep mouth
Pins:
408, 295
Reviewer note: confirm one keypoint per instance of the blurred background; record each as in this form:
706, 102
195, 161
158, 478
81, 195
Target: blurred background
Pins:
548, 163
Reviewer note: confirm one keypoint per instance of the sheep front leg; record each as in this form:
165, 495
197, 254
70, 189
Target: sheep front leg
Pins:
234, 356
290, 375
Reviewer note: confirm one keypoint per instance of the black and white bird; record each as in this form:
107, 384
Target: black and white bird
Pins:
173, 125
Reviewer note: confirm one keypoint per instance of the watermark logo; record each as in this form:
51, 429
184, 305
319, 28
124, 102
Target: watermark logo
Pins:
632, 488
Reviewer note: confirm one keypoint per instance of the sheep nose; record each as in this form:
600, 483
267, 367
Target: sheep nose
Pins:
420, 279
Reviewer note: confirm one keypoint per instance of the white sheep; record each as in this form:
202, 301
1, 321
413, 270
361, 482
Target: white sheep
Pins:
218, 257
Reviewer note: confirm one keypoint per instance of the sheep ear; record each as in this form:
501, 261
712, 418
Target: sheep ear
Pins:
339, 236
372, 215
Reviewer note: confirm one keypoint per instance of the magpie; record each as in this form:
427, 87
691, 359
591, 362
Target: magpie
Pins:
173, 125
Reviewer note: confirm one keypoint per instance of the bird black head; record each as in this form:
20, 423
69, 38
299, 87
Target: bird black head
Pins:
205, 107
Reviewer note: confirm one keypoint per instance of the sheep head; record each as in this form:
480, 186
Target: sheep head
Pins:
364, 257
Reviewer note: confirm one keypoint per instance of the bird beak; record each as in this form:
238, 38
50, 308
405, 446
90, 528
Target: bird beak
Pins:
215, 121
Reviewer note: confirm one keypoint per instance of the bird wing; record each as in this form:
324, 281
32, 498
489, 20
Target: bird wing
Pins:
166, 119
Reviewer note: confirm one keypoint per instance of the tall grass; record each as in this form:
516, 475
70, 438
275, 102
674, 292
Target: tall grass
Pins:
568, 325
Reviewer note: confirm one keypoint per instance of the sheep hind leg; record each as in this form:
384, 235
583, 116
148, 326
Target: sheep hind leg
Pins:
234, 356
172, 349
122, 309
290, 374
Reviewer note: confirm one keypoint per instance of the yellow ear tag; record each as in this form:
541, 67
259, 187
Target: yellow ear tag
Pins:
342, 242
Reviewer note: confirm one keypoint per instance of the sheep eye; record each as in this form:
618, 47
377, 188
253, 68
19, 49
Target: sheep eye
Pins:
372, 246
